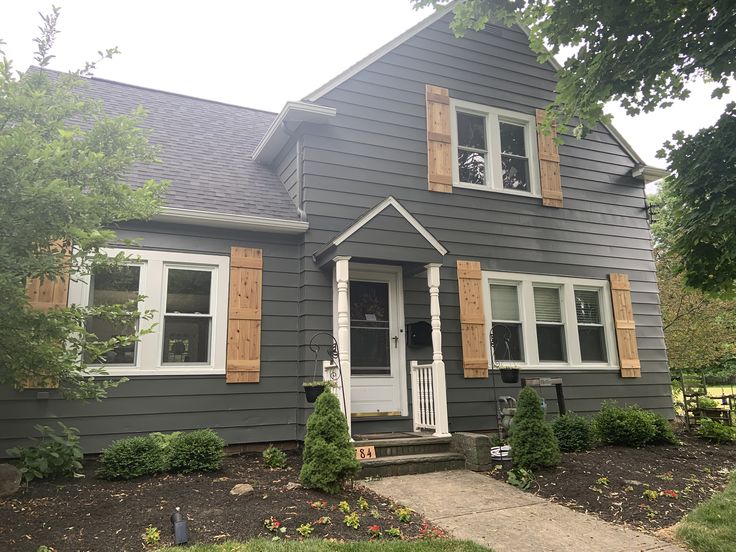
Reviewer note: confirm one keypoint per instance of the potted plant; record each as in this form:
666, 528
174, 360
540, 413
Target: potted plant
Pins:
509, 374
313, 389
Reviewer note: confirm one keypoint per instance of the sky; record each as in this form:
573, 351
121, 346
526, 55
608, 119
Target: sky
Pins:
262, 53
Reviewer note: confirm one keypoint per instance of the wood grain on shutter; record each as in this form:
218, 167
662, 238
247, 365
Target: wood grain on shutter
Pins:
472, 320
549, 165
623, 316
244, 316
439, 147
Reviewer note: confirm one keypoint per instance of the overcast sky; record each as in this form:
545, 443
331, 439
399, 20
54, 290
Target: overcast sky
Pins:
260, 53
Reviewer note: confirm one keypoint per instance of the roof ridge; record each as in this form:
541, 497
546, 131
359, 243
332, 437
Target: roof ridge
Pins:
140, 87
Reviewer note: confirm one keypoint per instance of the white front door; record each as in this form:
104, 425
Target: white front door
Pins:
377, 342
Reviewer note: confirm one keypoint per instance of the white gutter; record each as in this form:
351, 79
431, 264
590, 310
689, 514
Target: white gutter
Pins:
227, 220
650, 174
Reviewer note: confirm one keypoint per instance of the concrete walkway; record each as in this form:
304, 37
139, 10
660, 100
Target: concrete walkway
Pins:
477, 507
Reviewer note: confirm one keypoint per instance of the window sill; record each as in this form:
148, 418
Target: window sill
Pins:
481, 188
173, 371
562, 368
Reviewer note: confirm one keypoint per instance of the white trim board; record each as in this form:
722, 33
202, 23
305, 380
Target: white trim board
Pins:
229, 220
390, 201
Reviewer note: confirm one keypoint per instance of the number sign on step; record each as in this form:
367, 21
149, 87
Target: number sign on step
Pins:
365, 453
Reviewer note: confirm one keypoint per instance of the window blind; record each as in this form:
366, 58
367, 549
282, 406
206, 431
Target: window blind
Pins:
547, 304
504, 303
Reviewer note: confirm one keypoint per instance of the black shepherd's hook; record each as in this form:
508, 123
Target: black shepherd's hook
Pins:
334, 355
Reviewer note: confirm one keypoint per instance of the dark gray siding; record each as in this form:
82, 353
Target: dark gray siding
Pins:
241, 413
376, 146
286, 166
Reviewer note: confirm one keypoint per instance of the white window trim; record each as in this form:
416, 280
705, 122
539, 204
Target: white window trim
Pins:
494, 178
153, 284
525, 284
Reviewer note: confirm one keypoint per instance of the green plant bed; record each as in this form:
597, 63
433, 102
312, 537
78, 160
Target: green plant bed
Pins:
711, 526
440, 545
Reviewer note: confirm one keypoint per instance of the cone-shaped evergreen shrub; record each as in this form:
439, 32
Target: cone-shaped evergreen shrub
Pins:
533, 443
329, 457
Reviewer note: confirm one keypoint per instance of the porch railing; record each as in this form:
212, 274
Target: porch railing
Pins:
422, 396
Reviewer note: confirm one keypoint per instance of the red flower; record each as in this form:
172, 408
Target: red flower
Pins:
670, 493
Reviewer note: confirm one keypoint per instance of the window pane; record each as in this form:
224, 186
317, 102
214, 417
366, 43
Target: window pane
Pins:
547, 304
472, 167
504, 303
587, 306
551, 343
592, 343
188, 291
507, 342
471, 131
369, 351
369, 328
512, 139
515, 173
186, 339
113, 286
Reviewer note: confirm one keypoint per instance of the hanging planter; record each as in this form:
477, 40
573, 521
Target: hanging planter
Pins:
509, 375
313, 389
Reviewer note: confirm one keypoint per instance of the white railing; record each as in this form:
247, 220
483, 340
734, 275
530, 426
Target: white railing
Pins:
423, 396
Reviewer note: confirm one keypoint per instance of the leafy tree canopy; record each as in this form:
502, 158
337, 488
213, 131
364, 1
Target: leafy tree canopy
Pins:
643, 54
63, 167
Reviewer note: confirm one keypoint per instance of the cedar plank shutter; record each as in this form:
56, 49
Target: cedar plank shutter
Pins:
549, 165
45, 294
623, 316
244, 316
472, 320
439, 147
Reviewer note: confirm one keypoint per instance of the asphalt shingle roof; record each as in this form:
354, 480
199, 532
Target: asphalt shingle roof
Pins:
206, 149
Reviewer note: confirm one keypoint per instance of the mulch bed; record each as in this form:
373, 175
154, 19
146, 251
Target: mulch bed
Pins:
610, 482
89, 514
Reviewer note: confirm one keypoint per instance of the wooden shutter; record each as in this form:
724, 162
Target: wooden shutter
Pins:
472, 321
549, 165
244, 316
623, 316
439, 147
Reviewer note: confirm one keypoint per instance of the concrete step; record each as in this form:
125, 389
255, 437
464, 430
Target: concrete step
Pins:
411, 463
407, 446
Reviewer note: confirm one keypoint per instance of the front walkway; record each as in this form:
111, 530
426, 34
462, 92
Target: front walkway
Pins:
479, 508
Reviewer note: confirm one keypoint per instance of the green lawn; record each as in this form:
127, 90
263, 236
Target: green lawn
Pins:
440, 545
711, 527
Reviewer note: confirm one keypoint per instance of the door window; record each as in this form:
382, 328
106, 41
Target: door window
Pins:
369, 328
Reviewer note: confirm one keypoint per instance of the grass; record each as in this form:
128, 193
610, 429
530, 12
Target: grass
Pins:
439, 545
711, 527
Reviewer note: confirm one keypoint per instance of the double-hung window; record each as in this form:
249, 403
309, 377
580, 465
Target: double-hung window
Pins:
187, 295
549, 322
494, 149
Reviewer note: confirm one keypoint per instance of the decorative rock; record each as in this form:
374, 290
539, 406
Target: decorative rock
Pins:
241, 489
10, 478
290, 486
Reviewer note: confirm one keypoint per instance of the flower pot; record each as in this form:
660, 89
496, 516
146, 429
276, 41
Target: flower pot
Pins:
509, 375
313, 391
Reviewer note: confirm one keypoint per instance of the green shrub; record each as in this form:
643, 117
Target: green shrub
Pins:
710, 430
628, 426
329, 457
533, 443
164, 439
574, 433
664, 434
130, 458
201, 450
274, 457
55, 455
707, 402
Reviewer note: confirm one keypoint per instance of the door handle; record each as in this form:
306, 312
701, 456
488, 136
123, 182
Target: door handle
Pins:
396, 341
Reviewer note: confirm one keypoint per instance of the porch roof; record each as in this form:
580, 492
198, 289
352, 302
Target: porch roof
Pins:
387, 232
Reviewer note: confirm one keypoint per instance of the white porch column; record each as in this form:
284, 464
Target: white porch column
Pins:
342, 277
442, 428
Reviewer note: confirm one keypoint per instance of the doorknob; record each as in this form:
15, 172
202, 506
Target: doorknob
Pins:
396, 341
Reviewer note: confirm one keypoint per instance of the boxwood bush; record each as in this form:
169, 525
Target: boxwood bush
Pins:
631, 426
201, 450
574, 433
130, 458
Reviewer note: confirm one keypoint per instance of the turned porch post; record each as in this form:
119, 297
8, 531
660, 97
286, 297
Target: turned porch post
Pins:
438, 364
342, 276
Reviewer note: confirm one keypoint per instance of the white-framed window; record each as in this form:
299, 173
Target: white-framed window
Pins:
549, 322
188, 294
494, 149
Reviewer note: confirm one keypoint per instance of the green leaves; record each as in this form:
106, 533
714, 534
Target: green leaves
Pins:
54, 455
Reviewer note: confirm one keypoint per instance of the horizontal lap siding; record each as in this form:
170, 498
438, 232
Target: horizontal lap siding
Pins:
376, 147
241, 413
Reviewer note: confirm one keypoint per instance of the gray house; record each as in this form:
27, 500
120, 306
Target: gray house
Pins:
410, 209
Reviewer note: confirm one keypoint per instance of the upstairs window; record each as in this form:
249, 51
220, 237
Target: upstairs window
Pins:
494, 149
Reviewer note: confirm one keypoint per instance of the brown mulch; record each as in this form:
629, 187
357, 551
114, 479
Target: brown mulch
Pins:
610, 481
89, 514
